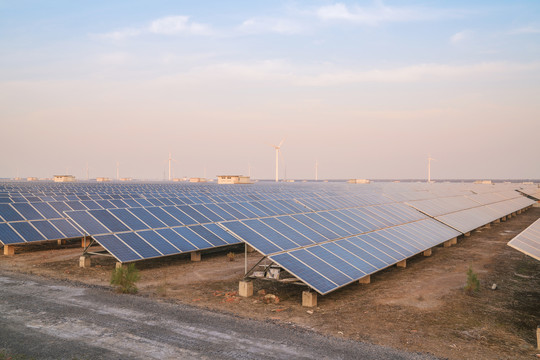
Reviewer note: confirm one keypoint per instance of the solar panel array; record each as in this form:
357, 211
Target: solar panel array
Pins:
468, 212
327, 235
528, 241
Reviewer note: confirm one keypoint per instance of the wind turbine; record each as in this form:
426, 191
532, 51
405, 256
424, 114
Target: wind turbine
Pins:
170, 166
429, 168
278, 153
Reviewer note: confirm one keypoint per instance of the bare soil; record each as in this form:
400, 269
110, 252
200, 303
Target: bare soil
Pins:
421, 308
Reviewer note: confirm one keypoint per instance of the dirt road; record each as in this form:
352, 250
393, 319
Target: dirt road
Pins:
52, 319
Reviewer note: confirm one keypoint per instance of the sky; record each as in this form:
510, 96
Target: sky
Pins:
367, 89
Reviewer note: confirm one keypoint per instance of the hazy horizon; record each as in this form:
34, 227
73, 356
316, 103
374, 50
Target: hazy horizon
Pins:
368, 89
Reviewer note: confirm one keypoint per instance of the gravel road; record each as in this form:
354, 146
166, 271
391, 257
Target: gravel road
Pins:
47, 319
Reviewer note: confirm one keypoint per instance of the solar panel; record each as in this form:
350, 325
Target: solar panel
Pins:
528, 241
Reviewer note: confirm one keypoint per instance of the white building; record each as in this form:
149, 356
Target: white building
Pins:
64, 178
234, 179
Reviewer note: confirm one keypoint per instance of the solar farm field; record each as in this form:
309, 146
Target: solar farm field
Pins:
422, 307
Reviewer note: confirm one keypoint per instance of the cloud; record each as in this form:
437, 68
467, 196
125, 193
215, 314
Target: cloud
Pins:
172, 25
459, 37
526, 30
284, 72
259, 25
168, 25
378, 13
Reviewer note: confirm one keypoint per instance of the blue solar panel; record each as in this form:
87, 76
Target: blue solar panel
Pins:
8, 236
147, 217
138, 244
9, 213
177, 240
193, 237
337, 262
208, 235
223, 234
328, 271
304, 272
88, 223
117, 247
66, 228
47, 229
129, 219
158, 242
27, 231
255, 240
349, 257
275, 237
163, 216
47, 211
197, 216
107, 219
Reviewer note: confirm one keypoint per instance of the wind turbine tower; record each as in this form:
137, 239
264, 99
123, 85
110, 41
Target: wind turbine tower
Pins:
170, 166
278, 152
429, 168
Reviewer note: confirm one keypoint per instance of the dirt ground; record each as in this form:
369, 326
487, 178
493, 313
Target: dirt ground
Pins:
421, 308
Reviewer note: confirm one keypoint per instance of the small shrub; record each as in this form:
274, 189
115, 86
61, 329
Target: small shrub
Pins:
230, 256
124, 278
473, 284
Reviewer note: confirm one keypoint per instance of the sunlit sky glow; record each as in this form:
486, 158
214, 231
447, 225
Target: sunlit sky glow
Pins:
366, 88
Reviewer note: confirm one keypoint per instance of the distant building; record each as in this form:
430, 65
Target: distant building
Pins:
359, 181
31, 178
487, 182
64, 178
197, 179
233, 179
103, 179
126, 179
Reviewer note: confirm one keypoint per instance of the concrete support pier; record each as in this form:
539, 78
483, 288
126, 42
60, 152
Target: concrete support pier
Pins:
119, 264
447, 243
9, 250
309, 298
196, 256
365, 280
61, 241
427, 252
454, 241
84, 261
503, 218
245, 288
402, 264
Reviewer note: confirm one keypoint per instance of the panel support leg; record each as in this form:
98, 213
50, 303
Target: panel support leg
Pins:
309, 298
365, 280
84, 261
9, 250
245, 288
196, 256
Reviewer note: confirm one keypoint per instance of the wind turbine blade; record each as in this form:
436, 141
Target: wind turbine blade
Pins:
281, 143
